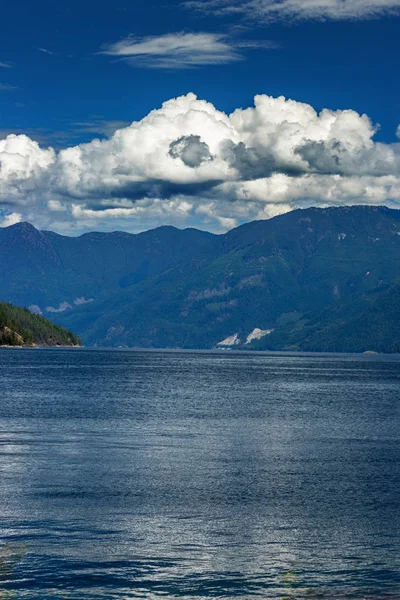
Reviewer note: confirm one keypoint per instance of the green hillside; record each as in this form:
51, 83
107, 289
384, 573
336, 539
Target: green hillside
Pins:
307, 275
20, 327
312, 279
367, 323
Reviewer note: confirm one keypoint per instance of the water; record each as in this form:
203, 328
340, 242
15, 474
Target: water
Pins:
198, 475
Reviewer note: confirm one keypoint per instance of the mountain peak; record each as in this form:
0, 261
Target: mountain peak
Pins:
22, 226
22, 230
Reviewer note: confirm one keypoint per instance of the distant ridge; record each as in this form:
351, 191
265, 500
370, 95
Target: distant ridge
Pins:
312, 279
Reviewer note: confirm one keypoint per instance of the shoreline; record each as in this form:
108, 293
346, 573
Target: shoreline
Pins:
214, 351
35, 346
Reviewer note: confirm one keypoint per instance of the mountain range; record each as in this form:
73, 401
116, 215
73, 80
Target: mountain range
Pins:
312, 279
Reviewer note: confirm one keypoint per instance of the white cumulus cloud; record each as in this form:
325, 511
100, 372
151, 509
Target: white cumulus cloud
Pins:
10, 219
188, 163
24, 168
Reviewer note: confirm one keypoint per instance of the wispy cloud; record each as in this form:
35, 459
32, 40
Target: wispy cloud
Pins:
39, 135
45, 51
270, 10
181, 50
6, 87
99, 126
68, 132
6, 65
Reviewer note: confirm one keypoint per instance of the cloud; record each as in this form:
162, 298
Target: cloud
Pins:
181, 50
5, 65
41, 135
24, 167
69, 132
334, 158
45, 51
190, 149
10, 219
62, 308
256, 162
271, 10
97, 126
6, 87
187, 163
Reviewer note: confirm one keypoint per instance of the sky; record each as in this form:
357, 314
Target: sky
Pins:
205, 113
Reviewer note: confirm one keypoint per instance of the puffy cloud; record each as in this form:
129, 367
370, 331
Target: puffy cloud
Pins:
11, 219
300, 9
24, 168
190, 149
188, 163
333, 157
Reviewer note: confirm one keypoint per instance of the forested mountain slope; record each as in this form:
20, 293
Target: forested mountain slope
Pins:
297, 281
20, 327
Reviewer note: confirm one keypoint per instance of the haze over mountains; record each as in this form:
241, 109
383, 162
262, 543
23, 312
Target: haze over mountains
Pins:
314, 279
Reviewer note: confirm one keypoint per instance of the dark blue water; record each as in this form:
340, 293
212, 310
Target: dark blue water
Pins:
198, 475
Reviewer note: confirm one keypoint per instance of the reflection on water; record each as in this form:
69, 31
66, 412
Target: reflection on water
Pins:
10, 555
198, 475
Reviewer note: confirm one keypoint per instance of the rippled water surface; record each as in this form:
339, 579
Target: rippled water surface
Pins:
198, 475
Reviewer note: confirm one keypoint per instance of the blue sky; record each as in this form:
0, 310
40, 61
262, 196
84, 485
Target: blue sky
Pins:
70, 72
